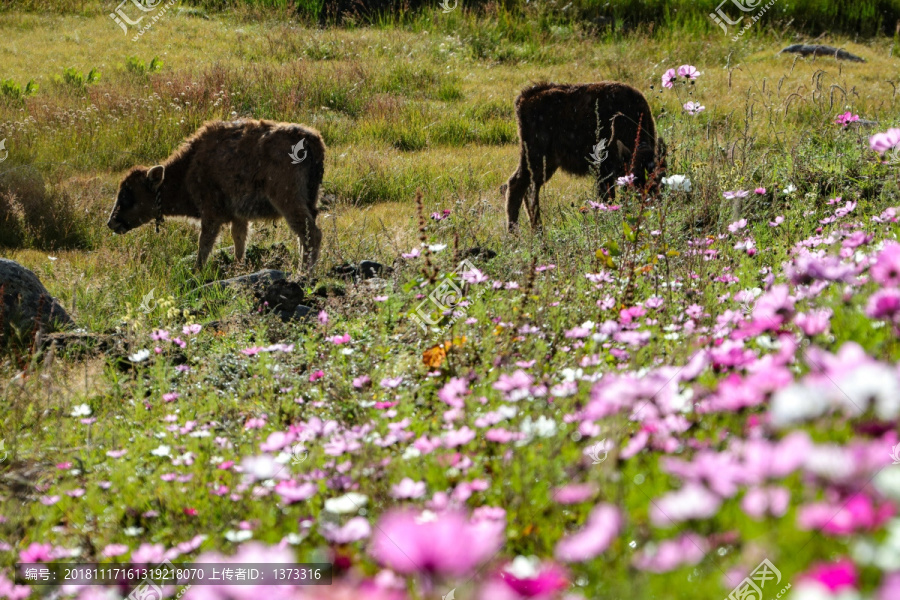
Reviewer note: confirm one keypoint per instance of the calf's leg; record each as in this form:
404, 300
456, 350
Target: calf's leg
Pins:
516, 189
209, 231
303, 223
239, 229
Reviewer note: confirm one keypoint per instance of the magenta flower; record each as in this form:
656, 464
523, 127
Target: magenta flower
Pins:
845, 119
340, 339
38, 553
526, 577
668, 78
886, 269
316, 375
453, 392
882, 142
841, 574
814, 322
760, 191
688, 71
446, 544
603, 525
291, 492
884, 304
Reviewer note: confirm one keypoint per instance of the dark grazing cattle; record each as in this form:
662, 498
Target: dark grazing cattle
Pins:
582, 128
231, 172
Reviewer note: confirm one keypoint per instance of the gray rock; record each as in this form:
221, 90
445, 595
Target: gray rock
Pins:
820, 50
26, 302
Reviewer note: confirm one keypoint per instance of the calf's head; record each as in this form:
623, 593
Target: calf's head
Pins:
136, 201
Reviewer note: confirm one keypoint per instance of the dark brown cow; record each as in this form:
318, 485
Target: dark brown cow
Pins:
560, 127
231, 172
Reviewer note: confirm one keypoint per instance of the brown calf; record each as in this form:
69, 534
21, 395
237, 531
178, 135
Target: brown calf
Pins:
231, 172
560, 127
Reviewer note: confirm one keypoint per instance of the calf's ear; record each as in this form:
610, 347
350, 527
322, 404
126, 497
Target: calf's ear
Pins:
155, 176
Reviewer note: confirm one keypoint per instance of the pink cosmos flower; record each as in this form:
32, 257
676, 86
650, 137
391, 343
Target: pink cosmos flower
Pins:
515, 386
8, 589
390, 383
760, 191
362, 381
882, 142
148, 553
355, 529
886, 269
737, 225
37, 552
668, 555
736, 194
408, 489
845, 119
844, 518
625, 180
575, 493
323, 317
758, 502
813, 322
688, 71
339, 339
603, 525
668, 78
113, 550
414, 253
690, 502
316, 375
171, 397
192, 329
693, 108
453, 392
778, 221
445, 544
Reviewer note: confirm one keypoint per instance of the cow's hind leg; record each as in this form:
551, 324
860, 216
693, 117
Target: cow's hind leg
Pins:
516, 189
239, 228
303, 223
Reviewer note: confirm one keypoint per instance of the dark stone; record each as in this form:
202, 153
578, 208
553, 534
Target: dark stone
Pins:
820, 50
325, 289
345, 271
479, 252
369, 269
282, 294
27, 302
299, 313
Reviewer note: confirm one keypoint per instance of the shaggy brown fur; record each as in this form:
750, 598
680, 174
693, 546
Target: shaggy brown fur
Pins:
559, 126
231, 172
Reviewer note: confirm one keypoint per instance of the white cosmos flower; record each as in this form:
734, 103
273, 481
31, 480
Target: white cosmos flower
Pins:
795, 404
348, 503
524, 567
678, 183
261, 468
139, 356
163, 450
790, 189
887, 481
82, 410
869, 383
238, 536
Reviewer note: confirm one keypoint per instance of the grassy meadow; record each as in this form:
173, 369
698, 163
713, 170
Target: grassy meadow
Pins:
733, 361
